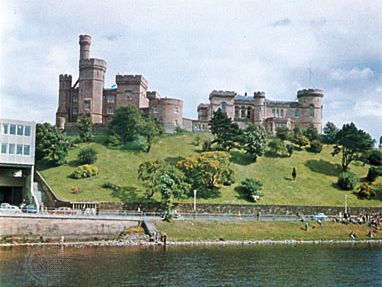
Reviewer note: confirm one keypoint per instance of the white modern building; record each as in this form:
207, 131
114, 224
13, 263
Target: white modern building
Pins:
17, 150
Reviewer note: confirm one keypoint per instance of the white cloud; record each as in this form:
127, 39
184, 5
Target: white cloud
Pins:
368, 108
353, 74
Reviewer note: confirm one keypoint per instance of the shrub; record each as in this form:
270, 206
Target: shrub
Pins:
346, 181
251, 188
206, 145
316, 146
372, 174
84, 171
365, 191
282, 133
197, 140
112, 186
277, 147
114, 140
87, 155
375, 157
290, 149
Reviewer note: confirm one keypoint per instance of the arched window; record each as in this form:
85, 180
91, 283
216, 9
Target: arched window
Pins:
273, 113
249, 112
282, 113
311, 111
243, 112
237, 112
223, 107
278, 113
297, 113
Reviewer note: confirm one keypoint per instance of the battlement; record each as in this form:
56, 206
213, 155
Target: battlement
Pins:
130, 80
65, 77
152, 95
93, 63
259, 94
221, 93
203, 106
85, 39
310, 92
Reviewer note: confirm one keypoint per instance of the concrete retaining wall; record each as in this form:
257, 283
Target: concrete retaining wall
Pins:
53, 228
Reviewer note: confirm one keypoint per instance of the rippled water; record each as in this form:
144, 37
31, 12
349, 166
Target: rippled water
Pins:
305, 265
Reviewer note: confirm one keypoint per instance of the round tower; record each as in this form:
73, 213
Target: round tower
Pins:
259, 106
310, 104
85, 42
65, 85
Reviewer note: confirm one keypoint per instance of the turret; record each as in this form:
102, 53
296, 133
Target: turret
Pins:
259, 106
310, 103
85, 42
65, 85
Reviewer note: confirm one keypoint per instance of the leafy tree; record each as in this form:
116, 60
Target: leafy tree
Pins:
277, 147
290, 149
282, 133
87, 155
125, 123
352, 142
330, 132
225, 131
316, 146
85, 128
51, 143
150, 129
300, 140
365, 191
373, 173
253, 141
375, 157
311, 133
346, 180
207, 170
251, 188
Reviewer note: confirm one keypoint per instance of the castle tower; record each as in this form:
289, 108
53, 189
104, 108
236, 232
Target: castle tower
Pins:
91, 82
310, 104
132, 90
259, 106
65, 85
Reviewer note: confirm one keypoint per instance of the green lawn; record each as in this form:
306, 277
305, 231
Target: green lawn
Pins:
241, 231
315, 184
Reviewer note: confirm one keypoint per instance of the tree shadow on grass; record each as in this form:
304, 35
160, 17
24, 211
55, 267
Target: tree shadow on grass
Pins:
241, 158
45, 164
323, 167
74, 163
130, 194
206, 193
241, 194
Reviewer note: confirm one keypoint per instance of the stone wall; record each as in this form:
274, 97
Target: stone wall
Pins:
71, 228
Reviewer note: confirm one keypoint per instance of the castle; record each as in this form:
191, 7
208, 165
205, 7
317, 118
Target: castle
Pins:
87, 96
305, 112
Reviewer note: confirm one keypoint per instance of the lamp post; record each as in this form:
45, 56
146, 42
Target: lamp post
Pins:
194, 200
346, 204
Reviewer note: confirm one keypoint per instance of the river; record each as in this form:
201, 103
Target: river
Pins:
302, 265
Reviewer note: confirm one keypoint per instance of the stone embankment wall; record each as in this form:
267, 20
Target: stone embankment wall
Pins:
53, 228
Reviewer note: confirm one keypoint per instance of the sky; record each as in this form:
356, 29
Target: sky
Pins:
186, 49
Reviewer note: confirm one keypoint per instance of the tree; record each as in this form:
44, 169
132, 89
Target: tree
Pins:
311, 133
300, 140
330, 132
346, 180
51, 143
251, 188
282, 133
352, 142
85, 128
225, 131
125, 123
253, 141
150, 129
207, 170
375, 157
277, 147
316, 146
87, 155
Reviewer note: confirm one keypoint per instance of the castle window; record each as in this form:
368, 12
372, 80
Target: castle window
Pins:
110, 99
27, 149
297, 113
27, 131
176, 110
3, 148
20, 130
110, 110
278, 113
311, 111
4, 129
75, 111
243, 112
75, 99
249, 112
223, 107
128, 95
237, 112
155, 110
273, 113
12, 129
87, 105
176, 123
282, 113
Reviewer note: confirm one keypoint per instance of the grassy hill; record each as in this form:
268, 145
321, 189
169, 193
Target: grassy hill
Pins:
315, 183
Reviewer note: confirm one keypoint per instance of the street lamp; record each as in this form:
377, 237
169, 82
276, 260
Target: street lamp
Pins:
346, 204
194, 200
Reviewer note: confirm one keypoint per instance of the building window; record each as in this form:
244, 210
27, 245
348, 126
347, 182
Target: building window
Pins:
20, 130
155, 110
282, 113
110, 110
12, 129
273, 113
19, 150
223, 107
11, 149
110, 99
75, 111
128, 95
4, 129
75, 99
242, 112
176, 110
3, 148
311, 111
87, 105
176, 123
297, 113
27, 149
27, 131
249, 112
237, 112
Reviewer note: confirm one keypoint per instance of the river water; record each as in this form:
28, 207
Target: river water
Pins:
302, 265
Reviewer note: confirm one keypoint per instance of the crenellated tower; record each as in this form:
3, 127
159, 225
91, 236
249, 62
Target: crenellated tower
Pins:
310, 103
259, 108
64, 99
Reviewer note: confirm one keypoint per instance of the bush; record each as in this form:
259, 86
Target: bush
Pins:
365, 191
372, 174
112, 186
316, 146
251, 188
114, 140
277, 147
87, 155
375, 157
84, 171
206, 145
282, 133
346, 181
